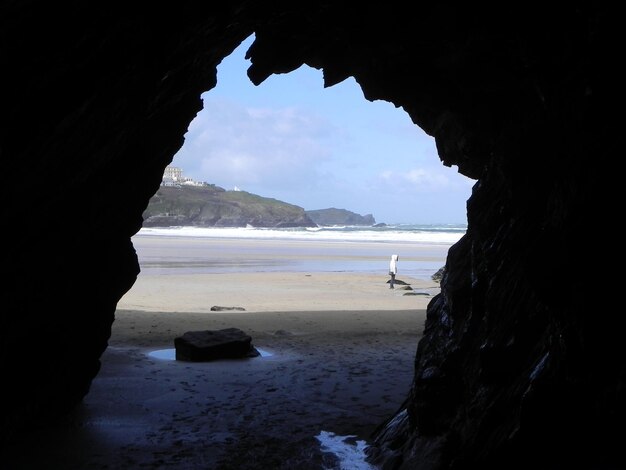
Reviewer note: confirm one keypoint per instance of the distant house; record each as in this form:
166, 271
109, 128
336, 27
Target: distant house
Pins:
173, 176
167, 182
173, 173
190, 182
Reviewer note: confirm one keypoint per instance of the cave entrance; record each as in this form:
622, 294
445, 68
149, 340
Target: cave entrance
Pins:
290, 140
340, 342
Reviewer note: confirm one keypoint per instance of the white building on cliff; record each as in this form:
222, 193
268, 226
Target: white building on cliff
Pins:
173, 176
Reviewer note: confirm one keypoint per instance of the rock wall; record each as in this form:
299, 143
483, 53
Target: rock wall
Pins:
96, 99
522, 354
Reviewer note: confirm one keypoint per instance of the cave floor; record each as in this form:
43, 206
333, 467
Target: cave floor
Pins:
257, 413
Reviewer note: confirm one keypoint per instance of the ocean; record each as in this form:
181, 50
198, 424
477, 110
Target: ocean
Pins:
422, 249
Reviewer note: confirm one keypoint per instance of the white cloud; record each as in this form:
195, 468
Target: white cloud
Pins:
229, 144
424, 180
301, 158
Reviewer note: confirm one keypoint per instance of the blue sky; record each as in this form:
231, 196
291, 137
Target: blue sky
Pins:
294, 140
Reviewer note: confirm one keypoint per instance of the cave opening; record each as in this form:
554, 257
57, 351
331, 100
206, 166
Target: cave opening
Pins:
316, 303
259, 151
291, 140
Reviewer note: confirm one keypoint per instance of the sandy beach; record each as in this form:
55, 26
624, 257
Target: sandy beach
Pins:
337, 348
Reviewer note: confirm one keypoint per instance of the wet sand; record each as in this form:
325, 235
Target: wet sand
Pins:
340, 356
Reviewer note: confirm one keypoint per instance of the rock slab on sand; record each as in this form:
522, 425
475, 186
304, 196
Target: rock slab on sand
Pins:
207, 345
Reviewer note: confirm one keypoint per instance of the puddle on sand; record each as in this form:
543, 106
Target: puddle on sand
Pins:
351, 456
170, 354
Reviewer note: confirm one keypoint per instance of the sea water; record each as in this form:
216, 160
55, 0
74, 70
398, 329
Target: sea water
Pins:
170, 354
445, 234
422, 249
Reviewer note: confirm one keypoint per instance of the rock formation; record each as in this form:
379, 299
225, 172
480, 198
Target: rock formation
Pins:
521, 364
212, 345
212, 206
333, 216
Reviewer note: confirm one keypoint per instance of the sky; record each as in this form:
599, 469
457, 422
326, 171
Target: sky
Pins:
293, 140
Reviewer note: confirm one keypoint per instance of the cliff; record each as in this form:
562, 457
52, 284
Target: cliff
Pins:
212, 206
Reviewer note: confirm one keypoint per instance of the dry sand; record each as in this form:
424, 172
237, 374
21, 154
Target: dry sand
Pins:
275, 292
342, 348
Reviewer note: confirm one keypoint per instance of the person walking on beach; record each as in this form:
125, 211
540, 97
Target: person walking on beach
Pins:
393, 270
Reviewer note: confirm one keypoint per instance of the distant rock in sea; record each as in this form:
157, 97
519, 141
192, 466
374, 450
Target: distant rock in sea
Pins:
333, 216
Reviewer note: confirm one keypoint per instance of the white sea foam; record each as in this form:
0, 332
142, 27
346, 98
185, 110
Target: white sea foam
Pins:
350, 456
405, 234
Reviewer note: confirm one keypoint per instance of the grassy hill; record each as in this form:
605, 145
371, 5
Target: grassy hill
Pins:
212, 206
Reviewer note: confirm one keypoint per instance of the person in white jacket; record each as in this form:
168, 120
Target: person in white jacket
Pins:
393, 270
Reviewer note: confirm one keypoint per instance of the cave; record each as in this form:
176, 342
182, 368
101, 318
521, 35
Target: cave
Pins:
522, 362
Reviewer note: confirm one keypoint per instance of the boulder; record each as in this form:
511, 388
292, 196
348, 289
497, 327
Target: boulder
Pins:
219, 308
207, 345
439, 274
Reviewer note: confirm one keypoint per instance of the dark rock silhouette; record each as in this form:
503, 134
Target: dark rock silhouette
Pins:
516, 369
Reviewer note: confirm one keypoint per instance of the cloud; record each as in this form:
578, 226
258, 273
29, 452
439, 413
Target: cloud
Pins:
301, 158
232, 145
424, 180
